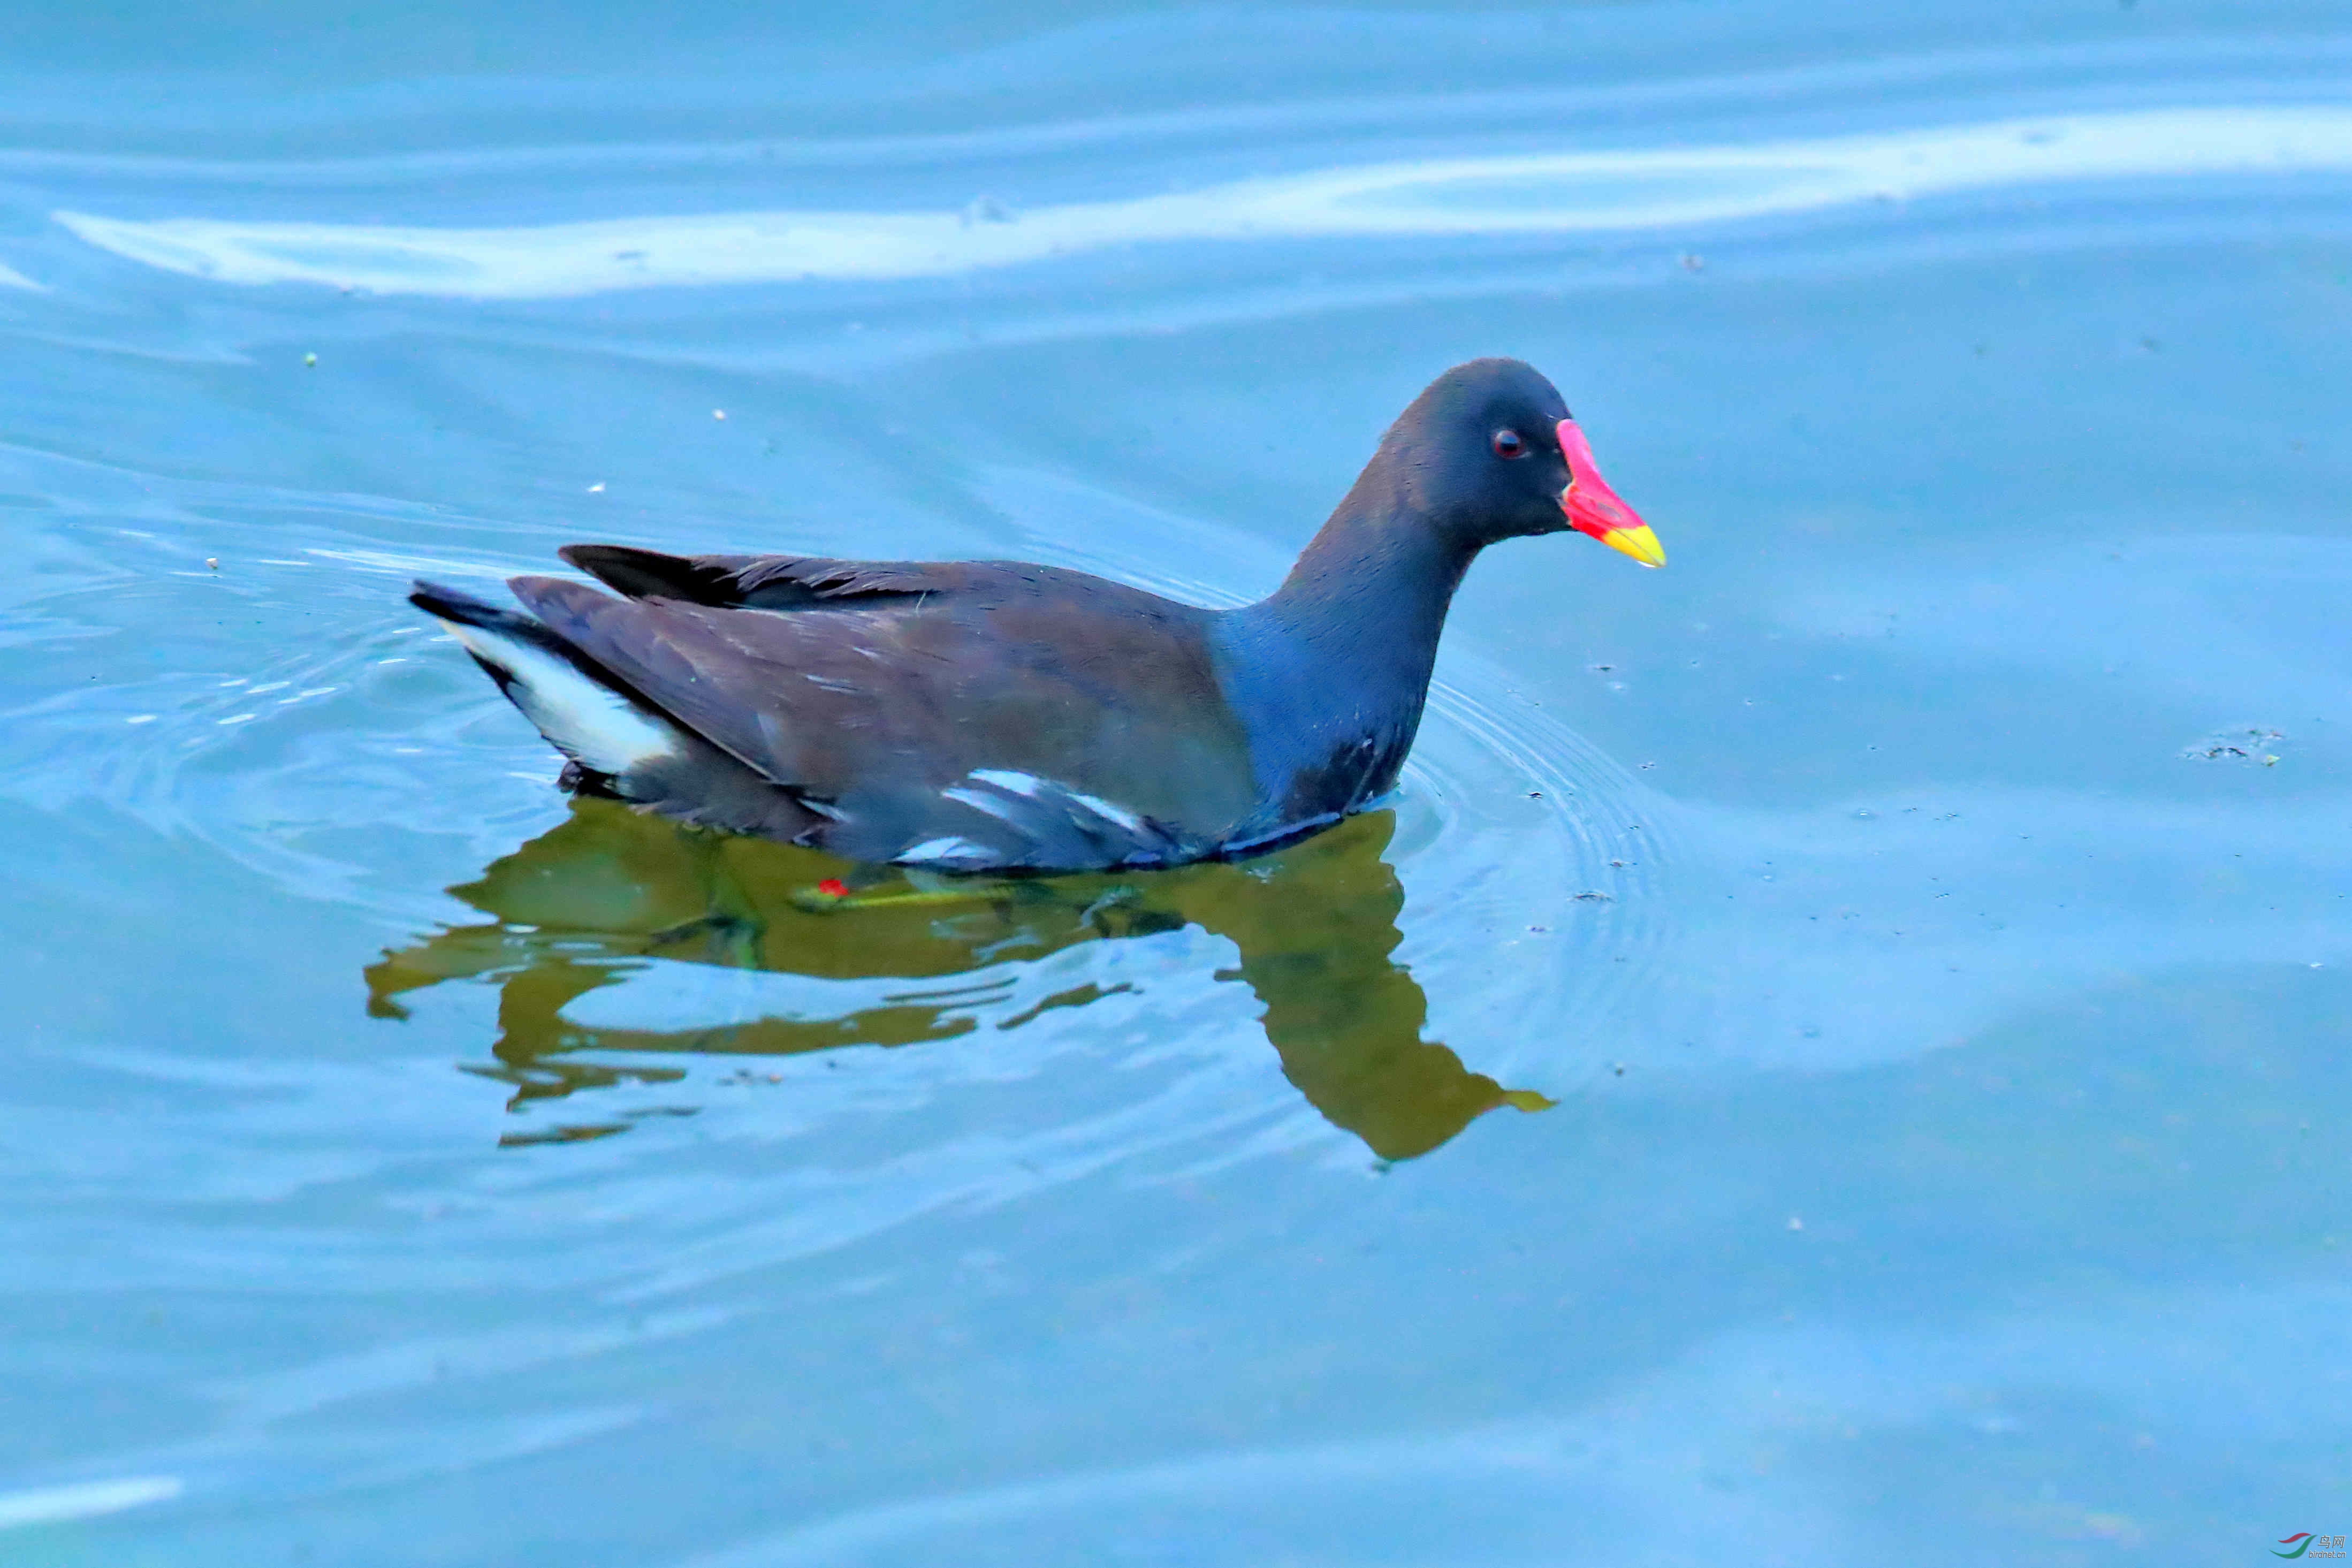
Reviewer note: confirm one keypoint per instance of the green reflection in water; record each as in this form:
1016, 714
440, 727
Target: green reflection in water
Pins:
1314, 924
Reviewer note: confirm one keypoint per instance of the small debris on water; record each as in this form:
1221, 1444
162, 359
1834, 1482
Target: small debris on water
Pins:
212, 562
718, 414
1796, 1223
1693, 261
2251, 743
1589, 896
310, 362
597, 488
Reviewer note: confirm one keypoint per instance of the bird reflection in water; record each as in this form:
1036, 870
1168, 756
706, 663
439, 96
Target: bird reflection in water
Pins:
1314, 924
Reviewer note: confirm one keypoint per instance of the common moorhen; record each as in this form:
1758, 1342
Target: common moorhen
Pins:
995, 716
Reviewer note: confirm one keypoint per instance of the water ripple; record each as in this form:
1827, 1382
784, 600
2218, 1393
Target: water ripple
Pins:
1556, 192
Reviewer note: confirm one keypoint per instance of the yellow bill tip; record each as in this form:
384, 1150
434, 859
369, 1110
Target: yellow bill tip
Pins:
1638, 543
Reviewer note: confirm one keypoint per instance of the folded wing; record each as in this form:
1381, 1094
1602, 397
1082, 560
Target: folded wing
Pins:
964, 715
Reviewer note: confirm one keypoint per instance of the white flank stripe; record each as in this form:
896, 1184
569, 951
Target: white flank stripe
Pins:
996, 806
1109, 812
1023, 785
1029, 786
948, 851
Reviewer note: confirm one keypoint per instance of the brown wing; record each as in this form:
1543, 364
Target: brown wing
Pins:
1003, 715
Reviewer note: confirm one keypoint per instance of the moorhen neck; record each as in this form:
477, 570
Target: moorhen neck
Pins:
995, 716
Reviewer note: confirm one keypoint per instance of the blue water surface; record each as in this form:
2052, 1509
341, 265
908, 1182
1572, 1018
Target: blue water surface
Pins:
1838, 1054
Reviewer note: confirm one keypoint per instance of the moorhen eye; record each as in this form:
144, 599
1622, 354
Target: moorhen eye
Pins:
1509, 445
